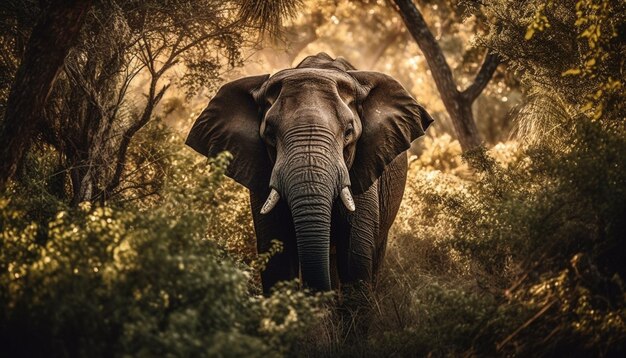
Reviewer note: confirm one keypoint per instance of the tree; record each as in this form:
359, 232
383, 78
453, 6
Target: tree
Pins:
51, 39
458, 103
93, 118
573, 49
92, 115
89, 118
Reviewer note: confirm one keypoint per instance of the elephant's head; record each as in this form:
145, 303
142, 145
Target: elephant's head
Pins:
313, 134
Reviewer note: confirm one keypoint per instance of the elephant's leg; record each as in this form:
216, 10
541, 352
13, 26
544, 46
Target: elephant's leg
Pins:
334, 273
355, 236
390, 191
276, 225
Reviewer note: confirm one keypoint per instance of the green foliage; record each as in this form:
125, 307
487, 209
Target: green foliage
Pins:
121, 280
263, 258
573, 48
268, 15
290, 314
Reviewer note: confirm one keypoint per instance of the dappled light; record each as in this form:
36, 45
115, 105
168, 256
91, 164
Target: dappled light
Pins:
118, 239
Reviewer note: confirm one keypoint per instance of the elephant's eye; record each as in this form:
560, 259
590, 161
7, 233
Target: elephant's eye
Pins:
270, 135
349, 131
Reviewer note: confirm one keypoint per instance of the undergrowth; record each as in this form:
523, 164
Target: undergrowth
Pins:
513, 251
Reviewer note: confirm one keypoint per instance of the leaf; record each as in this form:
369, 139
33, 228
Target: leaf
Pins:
571, 72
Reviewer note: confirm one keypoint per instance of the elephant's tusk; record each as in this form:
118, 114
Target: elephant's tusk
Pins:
346, 198
271, 202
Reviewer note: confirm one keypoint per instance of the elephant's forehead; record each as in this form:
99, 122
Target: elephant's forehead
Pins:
292, 81
302, 76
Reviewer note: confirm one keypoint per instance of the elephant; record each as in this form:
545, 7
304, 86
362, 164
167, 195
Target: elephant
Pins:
322, 149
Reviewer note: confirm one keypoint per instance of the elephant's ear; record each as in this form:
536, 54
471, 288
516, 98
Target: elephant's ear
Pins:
391, 120
231, 122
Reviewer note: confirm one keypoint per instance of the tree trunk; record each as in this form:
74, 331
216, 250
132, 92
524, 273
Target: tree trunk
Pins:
460, 111
458, 103
50, 41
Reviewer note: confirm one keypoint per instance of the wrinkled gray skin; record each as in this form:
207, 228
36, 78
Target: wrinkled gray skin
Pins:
308, 132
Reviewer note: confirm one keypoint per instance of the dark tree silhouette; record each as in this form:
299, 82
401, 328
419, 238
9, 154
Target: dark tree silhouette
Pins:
50, 41
86, 115
458, 103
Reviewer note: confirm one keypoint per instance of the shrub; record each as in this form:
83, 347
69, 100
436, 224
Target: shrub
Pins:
522, 257
124, 281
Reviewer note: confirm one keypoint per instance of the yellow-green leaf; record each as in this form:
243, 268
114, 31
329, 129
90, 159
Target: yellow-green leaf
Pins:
571, 72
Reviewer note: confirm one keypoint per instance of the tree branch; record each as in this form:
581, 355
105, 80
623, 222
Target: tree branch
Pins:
486, 71
426, 41
153, 100
459, 109
128, 78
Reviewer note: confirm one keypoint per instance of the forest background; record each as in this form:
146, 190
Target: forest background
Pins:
115, 239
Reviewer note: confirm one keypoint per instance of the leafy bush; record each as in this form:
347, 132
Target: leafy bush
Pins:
160, 165
523, 257
119, 280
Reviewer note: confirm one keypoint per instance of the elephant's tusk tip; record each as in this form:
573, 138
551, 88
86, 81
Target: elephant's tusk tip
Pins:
271, 202
346, 198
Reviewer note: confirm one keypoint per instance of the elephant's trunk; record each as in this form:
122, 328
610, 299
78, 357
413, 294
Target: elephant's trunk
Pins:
312, 215
310, 178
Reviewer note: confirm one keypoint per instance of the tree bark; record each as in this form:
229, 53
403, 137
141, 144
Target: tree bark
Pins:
458, 103
50, 41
